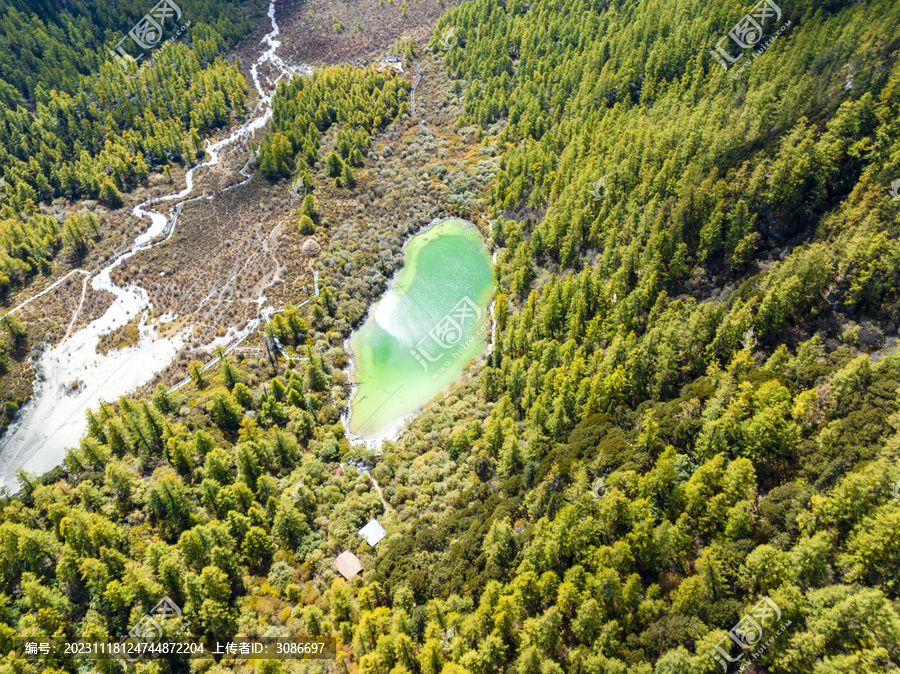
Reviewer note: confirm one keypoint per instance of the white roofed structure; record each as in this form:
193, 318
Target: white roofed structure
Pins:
372, 532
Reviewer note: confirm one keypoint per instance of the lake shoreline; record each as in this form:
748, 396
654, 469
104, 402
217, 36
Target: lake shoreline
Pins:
391, 429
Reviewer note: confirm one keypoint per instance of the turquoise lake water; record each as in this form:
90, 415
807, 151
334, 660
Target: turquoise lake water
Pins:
431, 321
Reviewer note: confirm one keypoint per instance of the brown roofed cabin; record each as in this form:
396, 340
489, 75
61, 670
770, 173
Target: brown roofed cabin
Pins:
348, 564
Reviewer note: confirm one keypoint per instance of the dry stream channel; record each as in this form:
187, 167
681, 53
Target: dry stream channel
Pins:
54, 418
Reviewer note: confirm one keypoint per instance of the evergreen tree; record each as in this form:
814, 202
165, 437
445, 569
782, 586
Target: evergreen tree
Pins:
306, 225
196, 371
333, 164
347, 177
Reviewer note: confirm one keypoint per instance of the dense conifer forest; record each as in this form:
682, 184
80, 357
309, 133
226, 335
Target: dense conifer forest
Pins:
692, 405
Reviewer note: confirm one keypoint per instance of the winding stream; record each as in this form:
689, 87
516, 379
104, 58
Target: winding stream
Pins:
72, 376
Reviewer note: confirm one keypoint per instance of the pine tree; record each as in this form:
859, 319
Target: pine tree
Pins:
224, 410
333, 164
195, 367
162, 399
347, 177
308, 207
109, 194
315, 377
306, 226
16, 330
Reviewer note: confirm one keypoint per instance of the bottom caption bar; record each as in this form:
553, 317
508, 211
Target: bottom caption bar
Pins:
141, 649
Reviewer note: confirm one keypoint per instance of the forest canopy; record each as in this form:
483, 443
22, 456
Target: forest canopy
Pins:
690, 411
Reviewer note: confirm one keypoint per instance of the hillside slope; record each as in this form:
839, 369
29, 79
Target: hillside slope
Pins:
690, 416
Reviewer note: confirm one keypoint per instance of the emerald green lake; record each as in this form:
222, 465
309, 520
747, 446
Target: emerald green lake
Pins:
432, 319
